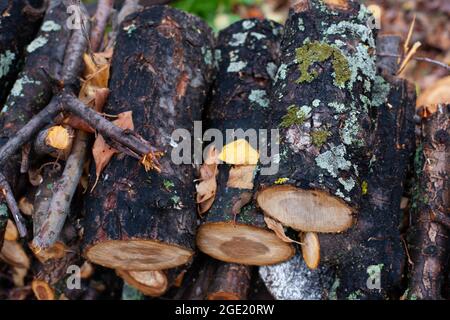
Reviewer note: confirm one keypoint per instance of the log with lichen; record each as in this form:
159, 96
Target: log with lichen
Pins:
19, 21
138, 220
33, 89
320, 104
428, 235
234, 231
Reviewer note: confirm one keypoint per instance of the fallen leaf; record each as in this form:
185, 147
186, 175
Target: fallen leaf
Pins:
244, 198
437, 93
241, 177
239, 152
278, 228
102, 152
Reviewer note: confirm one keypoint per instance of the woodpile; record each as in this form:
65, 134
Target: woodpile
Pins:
94, 204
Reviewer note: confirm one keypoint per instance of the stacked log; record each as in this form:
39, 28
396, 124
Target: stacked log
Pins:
138, 220
234, 231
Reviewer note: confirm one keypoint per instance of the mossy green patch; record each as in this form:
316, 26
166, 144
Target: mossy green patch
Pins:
293, 116
316, 51
319, 137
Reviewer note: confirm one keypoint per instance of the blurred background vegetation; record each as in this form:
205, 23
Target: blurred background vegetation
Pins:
432, 26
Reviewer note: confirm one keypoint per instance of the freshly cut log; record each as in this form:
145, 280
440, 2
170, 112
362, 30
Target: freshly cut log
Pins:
138, 220
310, 249
55, 141
428, 236
19, 21
234, 231
231, 282
320, 104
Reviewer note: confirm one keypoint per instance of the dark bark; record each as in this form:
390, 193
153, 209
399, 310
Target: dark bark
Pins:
320, 103
165, 86
248, 53
373, 246
428, 239
33, 90
198, 281
231, 282
19, 22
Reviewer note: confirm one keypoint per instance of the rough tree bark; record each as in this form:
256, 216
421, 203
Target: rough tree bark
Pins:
234, 231
320, 103
138, 220
19, 17
231, 282
428, 235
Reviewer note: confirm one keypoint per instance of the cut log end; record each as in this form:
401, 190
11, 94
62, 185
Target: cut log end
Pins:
243, 244
42, 290
305, 210
150, 283
310, 249
222, 296
58, 137
138, 255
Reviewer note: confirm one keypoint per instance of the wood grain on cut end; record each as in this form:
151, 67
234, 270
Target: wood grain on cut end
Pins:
244, 244
300, 5
337, 4
13, 254
57, 251
305, 210
310, 249
150, 283
42, 290
138, 255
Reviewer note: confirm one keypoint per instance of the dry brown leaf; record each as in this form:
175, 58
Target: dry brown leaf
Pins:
205, 206
278, 228
206, 188
11, 233
437, 93
101, 151
241, 177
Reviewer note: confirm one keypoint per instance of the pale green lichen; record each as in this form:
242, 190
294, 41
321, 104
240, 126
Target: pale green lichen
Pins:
359, 62
301, 26
355, 295
248, 24
259, 97
257, 35
380, 92
339, 107
320, 137
168, 185
50, 25
348, 184
37, 43
3, 210
207, 56
316, 103
271, 70
282, 72
236, 66
351, 130
17, 90
130, 28
359, 30
294, 116
333, 290
311, 53
238, 39
334, 160
6, 60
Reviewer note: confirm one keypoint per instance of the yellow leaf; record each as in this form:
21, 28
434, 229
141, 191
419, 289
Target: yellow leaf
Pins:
239, 152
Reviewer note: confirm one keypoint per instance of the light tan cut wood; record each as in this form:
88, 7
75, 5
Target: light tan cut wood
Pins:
150, 283
137, 255
42, 290
305, 210
13, 254
11, 232
242, 244
310, 249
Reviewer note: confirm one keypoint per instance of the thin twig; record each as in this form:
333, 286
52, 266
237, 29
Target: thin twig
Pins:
425, 59
12, 205
102, 14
